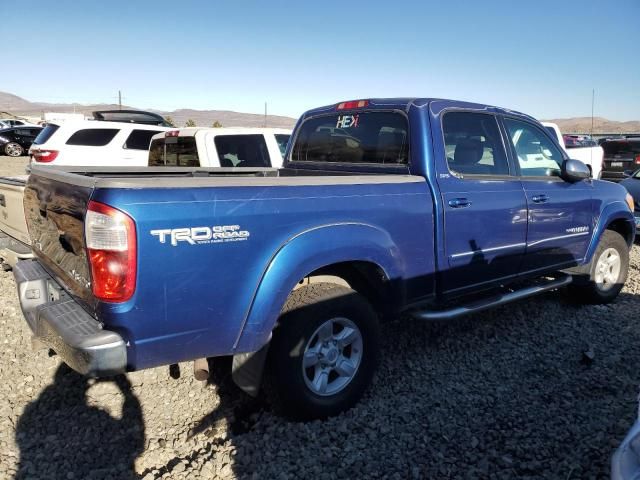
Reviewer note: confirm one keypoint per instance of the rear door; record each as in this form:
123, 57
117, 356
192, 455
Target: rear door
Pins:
560, 213
485, 209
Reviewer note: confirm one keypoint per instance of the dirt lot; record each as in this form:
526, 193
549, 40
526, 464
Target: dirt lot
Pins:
508, 393
12, 166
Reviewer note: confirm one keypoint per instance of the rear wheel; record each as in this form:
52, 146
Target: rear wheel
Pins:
323, 353
13, 149
604, 277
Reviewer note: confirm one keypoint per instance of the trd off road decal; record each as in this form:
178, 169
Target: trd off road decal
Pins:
200, 235
347, 121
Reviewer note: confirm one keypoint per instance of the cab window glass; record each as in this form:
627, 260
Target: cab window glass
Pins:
537, 154
242, 151
473, 144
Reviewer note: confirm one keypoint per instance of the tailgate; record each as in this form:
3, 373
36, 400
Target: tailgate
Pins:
55, 210
11, 208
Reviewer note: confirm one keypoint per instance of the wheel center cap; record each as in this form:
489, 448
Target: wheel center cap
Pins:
332, 355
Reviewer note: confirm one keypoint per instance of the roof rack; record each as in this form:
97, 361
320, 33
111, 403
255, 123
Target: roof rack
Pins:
130, 116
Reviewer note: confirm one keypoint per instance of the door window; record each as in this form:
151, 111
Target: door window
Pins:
93, 137
537, 155
473, 144
139, 139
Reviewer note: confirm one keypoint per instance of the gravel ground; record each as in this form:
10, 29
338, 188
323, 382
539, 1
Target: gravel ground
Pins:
503, 394
13, 165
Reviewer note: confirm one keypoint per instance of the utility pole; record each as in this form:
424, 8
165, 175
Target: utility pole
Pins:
593, 100
120, 100
265, 114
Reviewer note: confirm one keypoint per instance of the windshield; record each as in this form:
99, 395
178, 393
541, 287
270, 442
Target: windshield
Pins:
355, 137
621, 147
174, 152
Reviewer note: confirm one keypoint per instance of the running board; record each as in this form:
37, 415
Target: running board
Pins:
483, 304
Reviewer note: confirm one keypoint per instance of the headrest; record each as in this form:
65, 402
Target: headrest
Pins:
468, 152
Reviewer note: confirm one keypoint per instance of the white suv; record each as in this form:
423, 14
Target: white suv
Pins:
114, 138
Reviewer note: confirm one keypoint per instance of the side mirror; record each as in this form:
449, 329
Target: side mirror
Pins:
574, 171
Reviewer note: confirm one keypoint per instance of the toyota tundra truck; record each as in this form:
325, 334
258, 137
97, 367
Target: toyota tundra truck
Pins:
384, 209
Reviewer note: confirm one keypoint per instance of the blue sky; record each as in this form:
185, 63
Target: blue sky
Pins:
541, 57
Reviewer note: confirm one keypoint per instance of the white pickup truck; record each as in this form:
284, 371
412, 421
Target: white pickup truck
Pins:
590, 156
219, 147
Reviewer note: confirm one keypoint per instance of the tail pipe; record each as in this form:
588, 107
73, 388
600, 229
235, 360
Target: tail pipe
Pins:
201, 369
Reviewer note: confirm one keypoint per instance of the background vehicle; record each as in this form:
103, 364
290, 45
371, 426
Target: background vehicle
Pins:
632, 184
16, 141
219, 147
586, 151
12, 122
121, 139
14, 237
621, 158
435, 208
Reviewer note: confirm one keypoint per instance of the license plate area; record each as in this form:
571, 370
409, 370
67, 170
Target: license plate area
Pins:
616, 164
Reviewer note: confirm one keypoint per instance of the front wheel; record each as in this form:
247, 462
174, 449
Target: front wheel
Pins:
13, 149
323, 354
602, 280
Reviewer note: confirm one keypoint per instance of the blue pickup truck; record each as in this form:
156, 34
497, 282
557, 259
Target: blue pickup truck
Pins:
384, 207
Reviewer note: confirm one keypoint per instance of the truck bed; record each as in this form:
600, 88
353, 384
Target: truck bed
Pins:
207, 285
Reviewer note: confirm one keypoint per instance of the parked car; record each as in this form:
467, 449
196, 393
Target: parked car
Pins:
434, 208
632, 184
219, 147
621, 158
118, 138
16, 141
13, 122
586, 151
92, 142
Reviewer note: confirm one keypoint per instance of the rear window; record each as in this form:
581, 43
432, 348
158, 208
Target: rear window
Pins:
174, 152
139, 139
242, 151
362, 137
282, 140
45, 134
621, 147
93, 137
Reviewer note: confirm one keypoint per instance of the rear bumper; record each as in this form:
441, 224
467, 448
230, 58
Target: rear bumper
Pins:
12, 250
613, 176
60, 323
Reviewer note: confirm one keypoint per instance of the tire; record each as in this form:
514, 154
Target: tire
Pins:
13, 149
340, 366
600, 282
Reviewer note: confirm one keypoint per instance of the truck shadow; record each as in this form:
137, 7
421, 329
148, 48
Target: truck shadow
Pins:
61, 436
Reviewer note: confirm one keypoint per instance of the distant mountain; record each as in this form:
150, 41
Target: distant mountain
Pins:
600, 125
205, 118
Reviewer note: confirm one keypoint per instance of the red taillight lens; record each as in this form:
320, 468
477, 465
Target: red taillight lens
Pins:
352, 104
44, 156
637, 160
111, 248
172, 133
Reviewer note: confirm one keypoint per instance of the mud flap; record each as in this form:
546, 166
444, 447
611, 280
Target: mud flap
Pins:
247, 369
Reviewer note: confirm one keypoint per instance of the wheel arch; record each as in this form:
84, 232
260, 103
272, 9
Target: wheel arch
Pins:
616, 217
362, 256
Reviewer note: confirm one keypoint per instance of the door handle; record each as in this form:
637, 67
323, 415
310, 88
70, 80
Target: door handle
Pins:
540, 198
3, 202
459, 203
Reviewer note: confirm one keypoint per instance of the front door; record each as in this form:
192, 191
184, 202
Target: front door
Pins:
485, 209
560, 213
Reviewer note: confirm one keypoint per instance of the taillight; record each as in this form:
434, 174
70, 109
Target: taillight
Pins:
352, 104
637, 160
44, 156
111, 247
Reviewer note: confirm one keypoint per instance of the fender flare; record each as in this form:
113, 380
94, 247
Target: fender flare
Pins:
613, 211
304, 253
